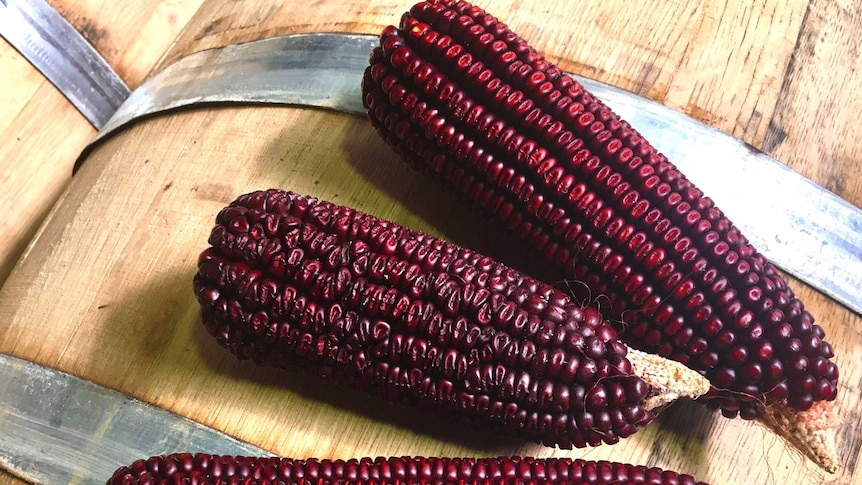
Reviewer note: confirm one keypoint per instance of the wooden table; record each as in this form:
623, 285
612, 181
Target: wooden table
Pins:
103, 290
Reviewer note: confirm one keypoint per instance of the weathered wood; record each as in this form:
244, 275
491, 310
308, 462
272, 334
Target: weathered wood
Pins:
42, 133
8, 479
132, 37
108, 279
815, 127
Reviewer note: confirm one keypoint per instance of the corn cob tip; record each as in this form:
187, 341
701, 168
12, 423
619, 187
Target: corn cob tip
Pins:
668, 379
812, 432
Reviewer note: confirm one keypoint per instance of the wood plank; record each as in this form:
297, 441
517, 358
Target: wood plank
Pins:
42, 134
132, 226
9, 479
815, 129
139, 248
41, 131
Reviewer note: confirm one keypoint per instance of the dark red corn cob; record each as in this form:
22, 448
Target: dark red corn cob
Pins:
202, 469
457, 94
294, 282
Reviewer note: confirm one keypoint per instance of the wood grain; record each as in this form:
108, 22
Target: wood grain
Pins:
42, 133
133, 36
7, 479
108, 277
814, 126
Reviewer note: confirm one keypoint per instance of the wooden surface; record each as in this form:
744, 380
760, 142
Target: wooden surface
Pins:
41, 132
108, 278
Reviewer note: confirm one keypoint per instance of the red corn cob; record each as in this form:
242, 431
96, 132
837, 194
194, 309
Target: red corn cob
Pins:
457, 94
293, 282
202, 469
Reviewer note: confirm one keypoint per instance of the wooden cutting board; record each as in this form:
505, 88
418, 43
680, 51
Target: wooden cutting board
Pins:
104, 290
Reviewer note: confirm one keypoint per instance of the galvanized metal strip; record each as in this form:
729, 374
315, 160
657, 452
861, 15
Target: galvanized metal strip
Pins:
57, 428
64, 57
317, 70
798, 225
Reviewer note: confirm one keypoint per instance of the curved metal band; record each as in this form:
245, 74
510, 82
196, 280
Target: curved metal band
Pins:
55, 426
795, 223
64, 57
315, 70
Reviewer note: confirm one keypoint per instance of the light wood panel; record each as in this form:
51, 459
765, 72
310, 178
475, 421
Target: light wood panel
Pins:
121, 312
42, 133
815, 127
815, 132
7, 479
110, 273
